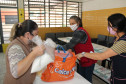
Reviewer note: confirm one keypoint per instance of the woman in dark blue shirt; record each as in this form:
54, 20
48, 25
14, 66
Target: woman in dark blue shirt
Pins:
116, 27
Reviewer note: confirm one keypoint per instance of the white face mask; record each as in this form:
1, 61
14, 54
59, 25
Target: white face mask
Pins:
73, 27
37, 39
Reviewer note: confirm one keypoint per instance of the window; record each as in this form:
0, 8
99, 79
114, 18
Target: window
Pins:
8, 3
73, 8
11, 19
8, 16
51, 13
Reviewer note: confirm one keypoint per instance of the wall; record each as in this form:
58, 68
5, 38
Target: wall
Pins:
43, 31
96, 12
76, 0
95, 22
89, 5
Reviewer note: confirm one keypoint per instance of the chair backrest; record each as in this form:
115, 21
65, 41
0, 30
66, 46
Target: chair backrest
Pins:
101, 40
101, 37
50, 35
59, 34
68, 34
110, 39
94, 40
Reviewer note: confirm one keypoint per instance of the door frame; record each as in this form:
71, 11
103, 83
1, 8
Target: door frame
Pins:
1, 28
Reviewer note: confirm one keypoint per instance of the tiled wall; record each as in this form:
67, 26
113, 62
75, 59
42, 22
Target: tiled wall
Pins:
95, 22
43, 31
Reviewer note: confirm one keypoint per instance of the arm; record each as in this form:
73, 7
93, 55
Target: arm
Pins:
118, 48
25, 64
77, 37
98, 56
19, 63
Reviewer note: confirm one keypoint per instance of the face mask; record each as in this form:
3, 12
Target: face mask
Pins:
111, 31
34, 38
73, 27
37, 40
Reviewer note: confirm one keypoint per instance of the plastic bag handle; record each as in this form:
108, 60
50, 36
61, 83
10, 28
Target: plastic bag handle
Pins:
64, 59
60, 47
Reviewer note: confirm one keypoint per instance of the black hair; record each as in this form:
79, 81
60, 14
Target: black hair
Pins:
118, 21
78, 20
22, 28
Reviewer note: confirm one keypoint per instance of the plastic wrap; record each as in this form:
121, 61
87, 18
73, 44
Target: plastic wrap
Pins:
41, 62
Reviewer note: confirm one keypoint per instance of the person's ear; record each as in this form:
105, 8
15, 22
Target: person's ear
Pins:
27, 34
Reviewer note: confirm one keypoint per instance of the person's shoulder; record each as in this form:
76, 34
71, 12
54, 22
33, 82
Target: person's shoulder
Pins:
80, 32
15, 47
121, 42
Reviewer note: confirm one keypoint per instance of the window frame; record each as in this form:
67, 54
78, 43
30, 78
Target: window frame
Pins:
63, 13
1, 30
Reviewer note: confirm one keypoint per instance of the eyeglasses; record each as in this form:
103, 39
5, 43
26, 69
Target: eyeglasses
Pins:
111, 26
32, 34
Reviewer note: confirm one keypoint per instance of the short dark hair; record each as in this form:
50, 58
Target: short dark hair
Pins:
118, 21
78, 20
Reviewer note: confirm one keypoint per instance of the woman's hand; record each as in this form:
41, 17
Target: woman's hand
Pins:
79, 56
69, 50
38, 50
24, 64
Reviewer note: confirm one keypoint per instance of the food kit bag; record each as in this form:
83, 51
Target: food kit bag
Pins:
63, 67
41, 62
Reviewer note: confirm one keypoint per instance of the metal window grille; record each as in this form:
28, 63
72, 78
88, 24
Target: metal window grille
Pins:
8, 16
51, 13
8, 3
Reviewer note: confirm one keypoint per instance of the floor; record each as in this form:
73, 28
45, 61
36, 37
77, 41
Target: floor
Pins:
3, 70
2, 67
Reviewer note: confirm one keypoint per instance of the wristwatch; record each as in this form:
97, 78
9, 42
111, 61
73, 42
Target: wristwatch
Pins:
82, 53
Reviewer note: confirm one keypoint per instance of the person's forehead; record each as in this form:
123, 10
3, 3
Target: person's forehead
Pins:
35, 31
72, 20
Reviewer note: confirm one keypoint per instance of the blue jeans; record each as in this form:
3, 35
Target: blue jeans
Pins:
86, 72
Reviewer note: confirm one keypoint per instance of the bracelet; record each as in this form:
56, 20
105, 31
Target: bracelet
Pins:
82, 53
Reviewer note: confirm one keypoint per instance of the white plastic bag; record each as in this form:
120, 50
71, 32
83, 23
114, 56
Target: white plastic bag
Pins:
41, 62
37, 40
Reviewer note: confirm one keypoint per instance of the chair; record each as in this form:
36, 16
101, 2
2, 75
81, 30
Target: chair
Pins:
109, 41
60, 34
68, 34
101, 40
50, 35
94, 40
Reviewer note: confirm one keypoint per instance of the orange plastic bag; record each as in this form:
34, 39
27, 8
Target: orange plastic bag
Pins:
62, 69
